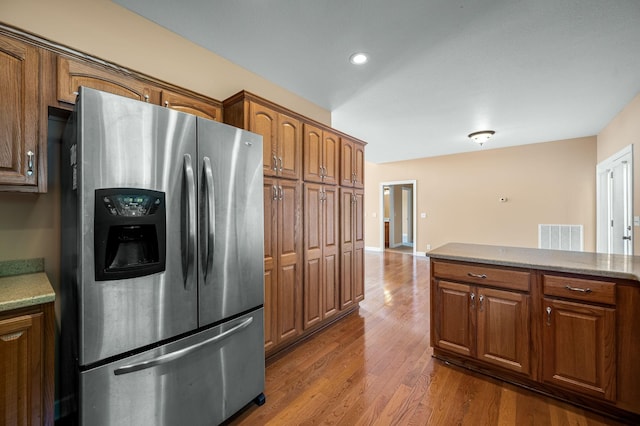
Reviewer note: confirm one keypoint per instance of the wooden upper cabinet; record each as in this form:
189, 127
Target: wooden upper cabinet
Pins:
346, 162
73, 74
313, 153
281, 140
264, 121
19, 115
321, 155
579, 342
289, 151
351, 163
358, 165
191, 105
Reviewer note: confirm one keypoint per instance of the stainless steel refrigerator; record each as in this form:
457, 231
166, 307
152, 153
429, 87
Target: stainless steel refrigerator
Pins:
162, 264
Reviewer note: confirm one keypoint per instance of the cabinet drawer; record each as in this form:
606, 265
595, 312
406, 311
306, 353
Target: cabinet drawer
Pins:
580, 289
482, 274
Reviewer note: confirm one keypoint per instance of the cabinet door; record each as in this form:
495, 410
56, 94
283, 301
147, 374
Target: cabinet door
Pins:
358, 245
191, 105
358, 165
289, 260
331, 250
264, 121
73, 74
21, 370
346, 162
347, 261
312, 168
455, 317
330, 157
289, 147
503, 329
19, 115
270, 263
313, 256
579, 348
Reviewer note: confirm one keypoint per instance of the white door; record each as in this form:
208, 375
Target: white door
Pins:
615, 201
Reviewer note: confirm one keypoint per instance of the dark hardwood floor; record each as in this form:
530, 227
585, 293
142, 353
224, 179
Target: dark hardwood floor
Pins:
375, 367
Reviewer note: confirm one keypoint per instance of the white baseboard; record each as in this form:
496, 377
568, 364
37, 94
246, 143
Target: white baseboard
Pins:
378, 249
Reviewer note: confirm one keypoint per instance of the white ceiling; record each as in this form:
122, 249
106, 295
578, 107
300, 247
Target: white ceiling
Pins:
532, 70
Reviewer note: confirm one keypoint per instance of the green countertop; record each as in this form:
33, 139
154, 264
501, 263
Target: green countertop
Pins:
23, 284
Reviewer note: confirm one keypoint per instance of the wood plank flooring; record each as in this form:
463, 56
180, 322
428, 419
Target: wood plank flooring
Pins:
375, 368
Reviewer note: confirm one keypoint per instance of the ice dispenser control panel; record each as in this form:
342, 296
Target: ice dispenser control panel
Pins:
130, 233
131, 205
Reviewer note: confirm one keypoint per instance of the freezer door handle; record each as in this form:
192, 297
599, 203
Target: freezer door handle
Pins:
188, 254
210, 215
164, 359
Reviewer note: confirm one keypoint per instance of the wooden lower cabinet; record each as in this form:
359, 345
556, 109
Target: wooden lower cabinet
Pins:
569, 335
321, 261
26, 366
282, 261
579, 347
351, 247
483, 323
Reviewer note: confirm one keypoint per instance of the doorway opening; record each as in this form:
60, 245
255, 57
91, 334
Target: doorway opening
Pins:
398, 213
614, 193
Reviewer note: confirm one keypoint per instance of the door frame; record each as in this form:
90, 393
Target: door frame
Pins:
412, 182
603, 210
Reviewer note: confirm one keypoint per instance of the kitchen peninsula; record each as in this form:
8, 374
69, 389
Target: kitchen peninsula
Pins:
558, 322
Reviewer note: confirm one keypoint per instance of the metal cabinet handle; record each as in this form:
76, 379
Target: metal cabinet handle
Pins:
146, 98
472, 296
481, 276
280, 164
481, 298
548, 315
577, 289
275, 163
172, 356
275, 193
281, 193
166, 104
30, 156
627, 237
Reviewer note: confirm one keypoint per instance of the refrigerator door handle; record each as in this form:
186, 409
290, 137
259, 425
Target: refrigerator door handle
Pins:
188, 254
210, 217
172, 356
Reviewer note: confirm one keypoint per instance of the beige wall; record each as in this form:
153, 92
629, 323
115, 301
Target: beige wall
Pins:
113, 33
622, 131
550, 182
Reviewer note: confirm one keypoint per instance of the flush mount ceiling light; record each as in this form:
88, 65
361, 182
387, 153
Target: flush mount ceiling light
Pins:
482, 136
358, 58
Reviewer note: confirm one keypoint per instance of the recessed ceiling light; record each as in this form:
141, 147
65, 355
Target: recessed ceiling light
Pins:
358, 58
